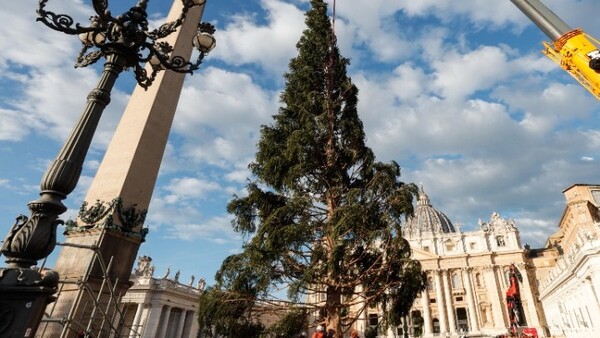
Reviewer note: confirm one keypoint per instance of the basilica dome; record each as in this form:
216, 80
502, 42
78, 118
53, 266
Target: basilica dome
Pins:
427, 219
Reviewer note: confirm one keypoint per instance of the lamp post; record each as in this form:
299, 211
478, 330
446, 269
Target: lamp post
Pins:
125, 42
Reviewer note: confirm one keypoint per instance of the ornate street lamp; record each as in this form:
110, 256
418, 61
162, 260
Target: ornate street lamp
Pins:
125, 42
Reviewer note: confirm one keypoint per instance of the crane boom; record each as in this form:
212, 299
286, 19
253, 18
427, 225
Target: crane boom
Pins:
571, 49
543, 17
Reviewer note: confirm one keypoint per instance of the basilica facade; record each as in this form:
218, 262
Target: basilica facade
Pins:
467, 278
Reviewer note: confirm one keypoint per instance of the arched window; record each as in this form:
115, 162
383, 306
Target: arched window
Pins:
500, 241
456, 281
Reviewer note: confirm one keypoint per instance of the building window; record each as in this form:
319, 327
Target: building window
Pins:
432, 301
461, 319
449, 246
426, 248
456, 282
429, 283
436, 325
459, 299
473, 246
373, 319
500, 241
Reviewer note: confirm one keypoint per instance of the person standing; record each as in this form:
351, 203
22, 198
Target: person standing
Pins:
319, 333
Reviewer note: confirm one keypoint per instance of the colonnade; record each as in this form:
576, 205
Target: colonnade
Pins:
161, 321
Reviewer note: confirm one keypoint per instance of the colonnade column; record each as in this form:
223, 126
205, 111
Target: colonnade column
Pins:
449, 306
474, 326
593, 296
427, 327
181, 324
439, 296
154, 318
194, 323
133, 333
166, 321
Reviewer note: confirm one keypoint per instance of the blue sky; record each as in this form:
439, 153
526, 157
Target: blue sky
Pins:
456, 91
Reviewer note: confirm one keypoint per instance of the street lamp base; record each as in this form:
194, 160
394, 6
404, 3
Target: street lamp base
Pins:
22, 308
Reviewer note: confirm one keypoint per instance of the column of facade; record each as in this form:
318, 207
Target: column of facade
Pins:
365, 315
474, 326
153, 319
449, 307
494, 295
166, 322
427, 324
531, 313
503, 283
134, 331
439, 296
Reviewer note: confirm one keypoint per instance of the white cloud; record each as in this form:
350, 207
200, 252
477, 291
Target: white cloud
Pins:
14, 125
460, 75
220, 114
245, 41
189, 187
217, 229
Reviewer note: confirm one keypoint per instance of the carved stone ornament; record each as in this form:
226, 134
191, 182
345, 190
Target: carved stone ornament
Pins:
102, 215
201, 284
145, 268
497, 223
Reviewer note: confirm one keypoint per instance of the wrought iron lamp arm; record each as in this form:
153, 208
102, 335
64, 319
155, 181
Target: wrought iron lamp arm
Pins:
128, 35
63, 23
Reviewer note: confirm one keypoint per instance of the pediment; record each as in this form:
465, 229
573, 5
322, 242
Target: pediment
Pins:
420, 254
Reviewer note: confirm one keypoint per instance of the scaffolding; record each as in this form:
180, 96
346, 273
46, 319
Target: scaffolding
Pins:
103, 314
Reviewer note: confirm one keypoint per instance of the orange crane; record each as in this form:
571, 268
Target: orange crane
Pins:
572, 49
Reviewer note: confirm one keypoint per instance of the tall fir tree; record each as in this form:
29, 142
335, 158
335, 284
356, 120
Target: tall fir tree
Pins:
323, 217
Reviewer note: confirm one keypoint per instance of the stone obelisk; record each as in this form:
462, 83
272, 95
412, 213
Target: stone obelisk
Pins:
110, 227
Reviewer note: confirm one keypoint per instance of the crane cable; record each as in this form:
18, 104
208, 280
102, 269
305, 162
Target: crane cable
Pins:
332, 41
329, 84
333, 18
